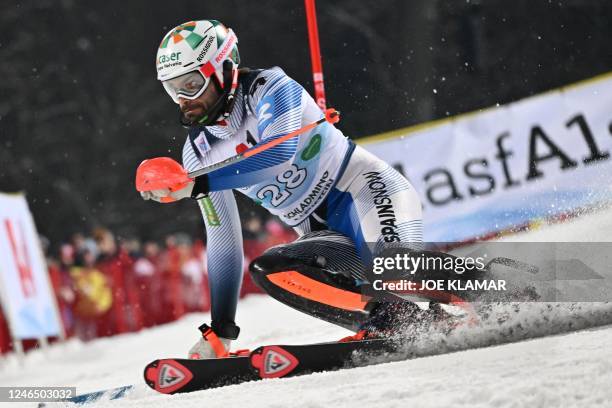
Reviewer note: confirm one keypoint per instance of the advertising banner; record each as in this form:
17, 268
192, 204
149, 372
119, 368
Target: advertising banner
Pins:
27, 299
493, 170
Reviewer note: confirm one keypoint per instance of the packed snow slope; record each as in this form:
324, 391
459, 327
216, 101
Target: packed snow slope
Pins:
563, 370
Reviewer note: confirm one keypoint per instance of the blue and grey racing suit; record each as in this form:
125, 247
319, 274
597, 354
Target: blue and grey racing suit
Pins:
361, 196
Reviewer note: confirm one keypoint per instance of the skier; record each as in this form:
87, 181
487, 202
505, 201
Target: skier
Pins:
338, 197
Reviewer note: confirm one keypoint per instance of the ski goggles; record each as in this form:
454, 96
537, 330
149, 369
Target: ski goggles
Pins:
193, 84
189, 86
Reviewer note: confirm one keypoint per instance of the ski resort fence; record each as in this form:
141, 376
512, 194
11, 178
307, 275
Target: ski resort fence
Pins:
104, 286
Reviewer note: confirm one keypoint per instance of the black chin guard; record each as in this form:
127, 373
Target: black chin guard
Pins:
223, 106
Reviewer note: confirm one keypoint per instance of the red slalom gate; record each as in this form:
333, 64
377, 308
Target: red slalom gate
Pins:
315, 53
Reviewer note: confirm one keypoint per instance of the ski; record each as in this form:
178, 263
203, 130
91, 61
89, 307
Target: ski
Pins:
170, 376
292, 360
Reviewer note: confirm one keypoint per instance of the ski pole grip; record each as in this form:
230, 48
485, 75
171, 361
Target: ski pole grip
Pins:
332, 115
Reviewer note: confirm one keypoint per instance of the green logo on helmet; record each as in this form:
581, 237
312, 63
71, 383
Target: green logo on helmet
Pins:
183, 32
312, 149
168, 58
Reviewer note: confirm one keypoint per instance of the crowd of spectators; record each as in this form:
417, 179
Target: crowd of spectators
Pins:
106, 285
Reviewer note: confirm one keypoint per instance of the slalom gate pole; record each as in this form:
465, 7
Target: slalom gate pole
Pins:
315, 53
150, 171
331, 116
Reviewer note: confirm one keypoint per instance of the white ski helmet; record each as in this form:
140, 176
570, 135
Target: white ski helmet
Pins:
195, 54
